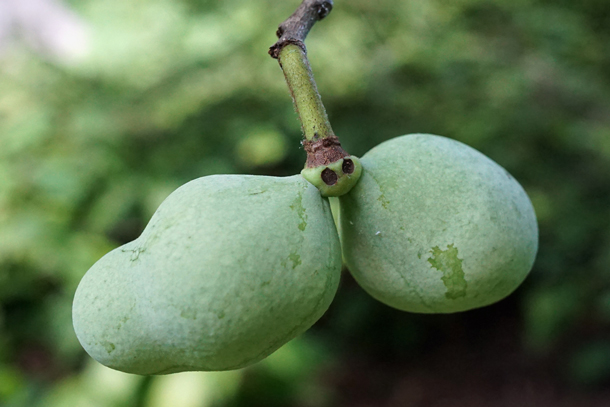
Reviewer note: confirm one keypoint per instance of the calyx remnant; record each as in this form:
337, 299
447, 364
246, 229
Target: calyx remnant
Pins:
329, 167
336, 178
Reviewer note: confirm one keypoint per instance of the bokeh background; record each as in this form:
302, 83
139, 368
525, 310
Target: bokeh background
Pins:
106, 106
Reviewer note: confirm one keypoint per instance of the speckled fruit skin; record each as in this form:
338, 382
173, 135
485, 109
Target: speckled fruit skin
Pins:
229, 269
434, 226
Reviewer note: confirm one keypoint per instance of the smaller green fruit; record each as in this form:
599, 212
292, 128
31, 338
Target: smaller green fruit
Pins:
434, 226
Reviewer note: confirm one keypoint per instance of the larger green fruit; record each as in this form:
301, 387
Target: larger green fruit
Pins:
228, 270
435, 226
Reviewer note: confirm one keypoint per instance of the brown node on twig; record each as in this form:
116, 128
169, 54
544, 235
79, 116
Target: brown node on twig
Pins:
297, 26
323, 151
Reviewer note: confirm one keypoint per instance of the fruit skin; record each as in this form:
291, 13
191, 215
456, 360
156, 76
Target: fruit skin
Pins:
434, 226
228, 270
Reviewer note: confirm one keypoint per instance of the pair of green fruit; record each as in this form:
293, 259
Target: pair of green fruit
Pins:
231, 267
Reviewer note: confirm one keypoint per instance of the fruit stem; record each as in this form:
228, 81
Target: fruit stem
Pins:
305, 95
329, 167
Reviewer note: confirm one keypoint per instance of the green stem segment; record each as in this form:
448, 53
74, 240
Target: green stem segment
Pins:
304, 91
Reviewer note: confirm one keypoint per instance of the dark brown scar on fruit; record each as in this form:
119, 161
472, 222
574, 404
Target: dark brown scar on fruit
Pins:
348, 166
323, 151
329, 176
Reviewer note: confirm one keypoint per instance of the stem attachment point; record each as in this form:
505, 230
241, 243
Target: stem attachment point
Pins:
331, 179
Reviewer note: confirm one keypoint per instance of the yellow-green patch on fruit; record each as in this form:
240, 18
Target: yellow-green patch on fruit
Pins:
229, 269
434, 226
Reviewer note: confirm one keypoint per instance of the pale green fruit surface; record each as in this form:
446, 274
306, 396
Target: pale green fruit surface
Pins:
229, 269
434, 226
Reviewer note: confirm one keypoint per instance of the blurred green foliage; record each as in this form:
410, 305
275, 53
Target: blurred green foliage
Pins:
172, 90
